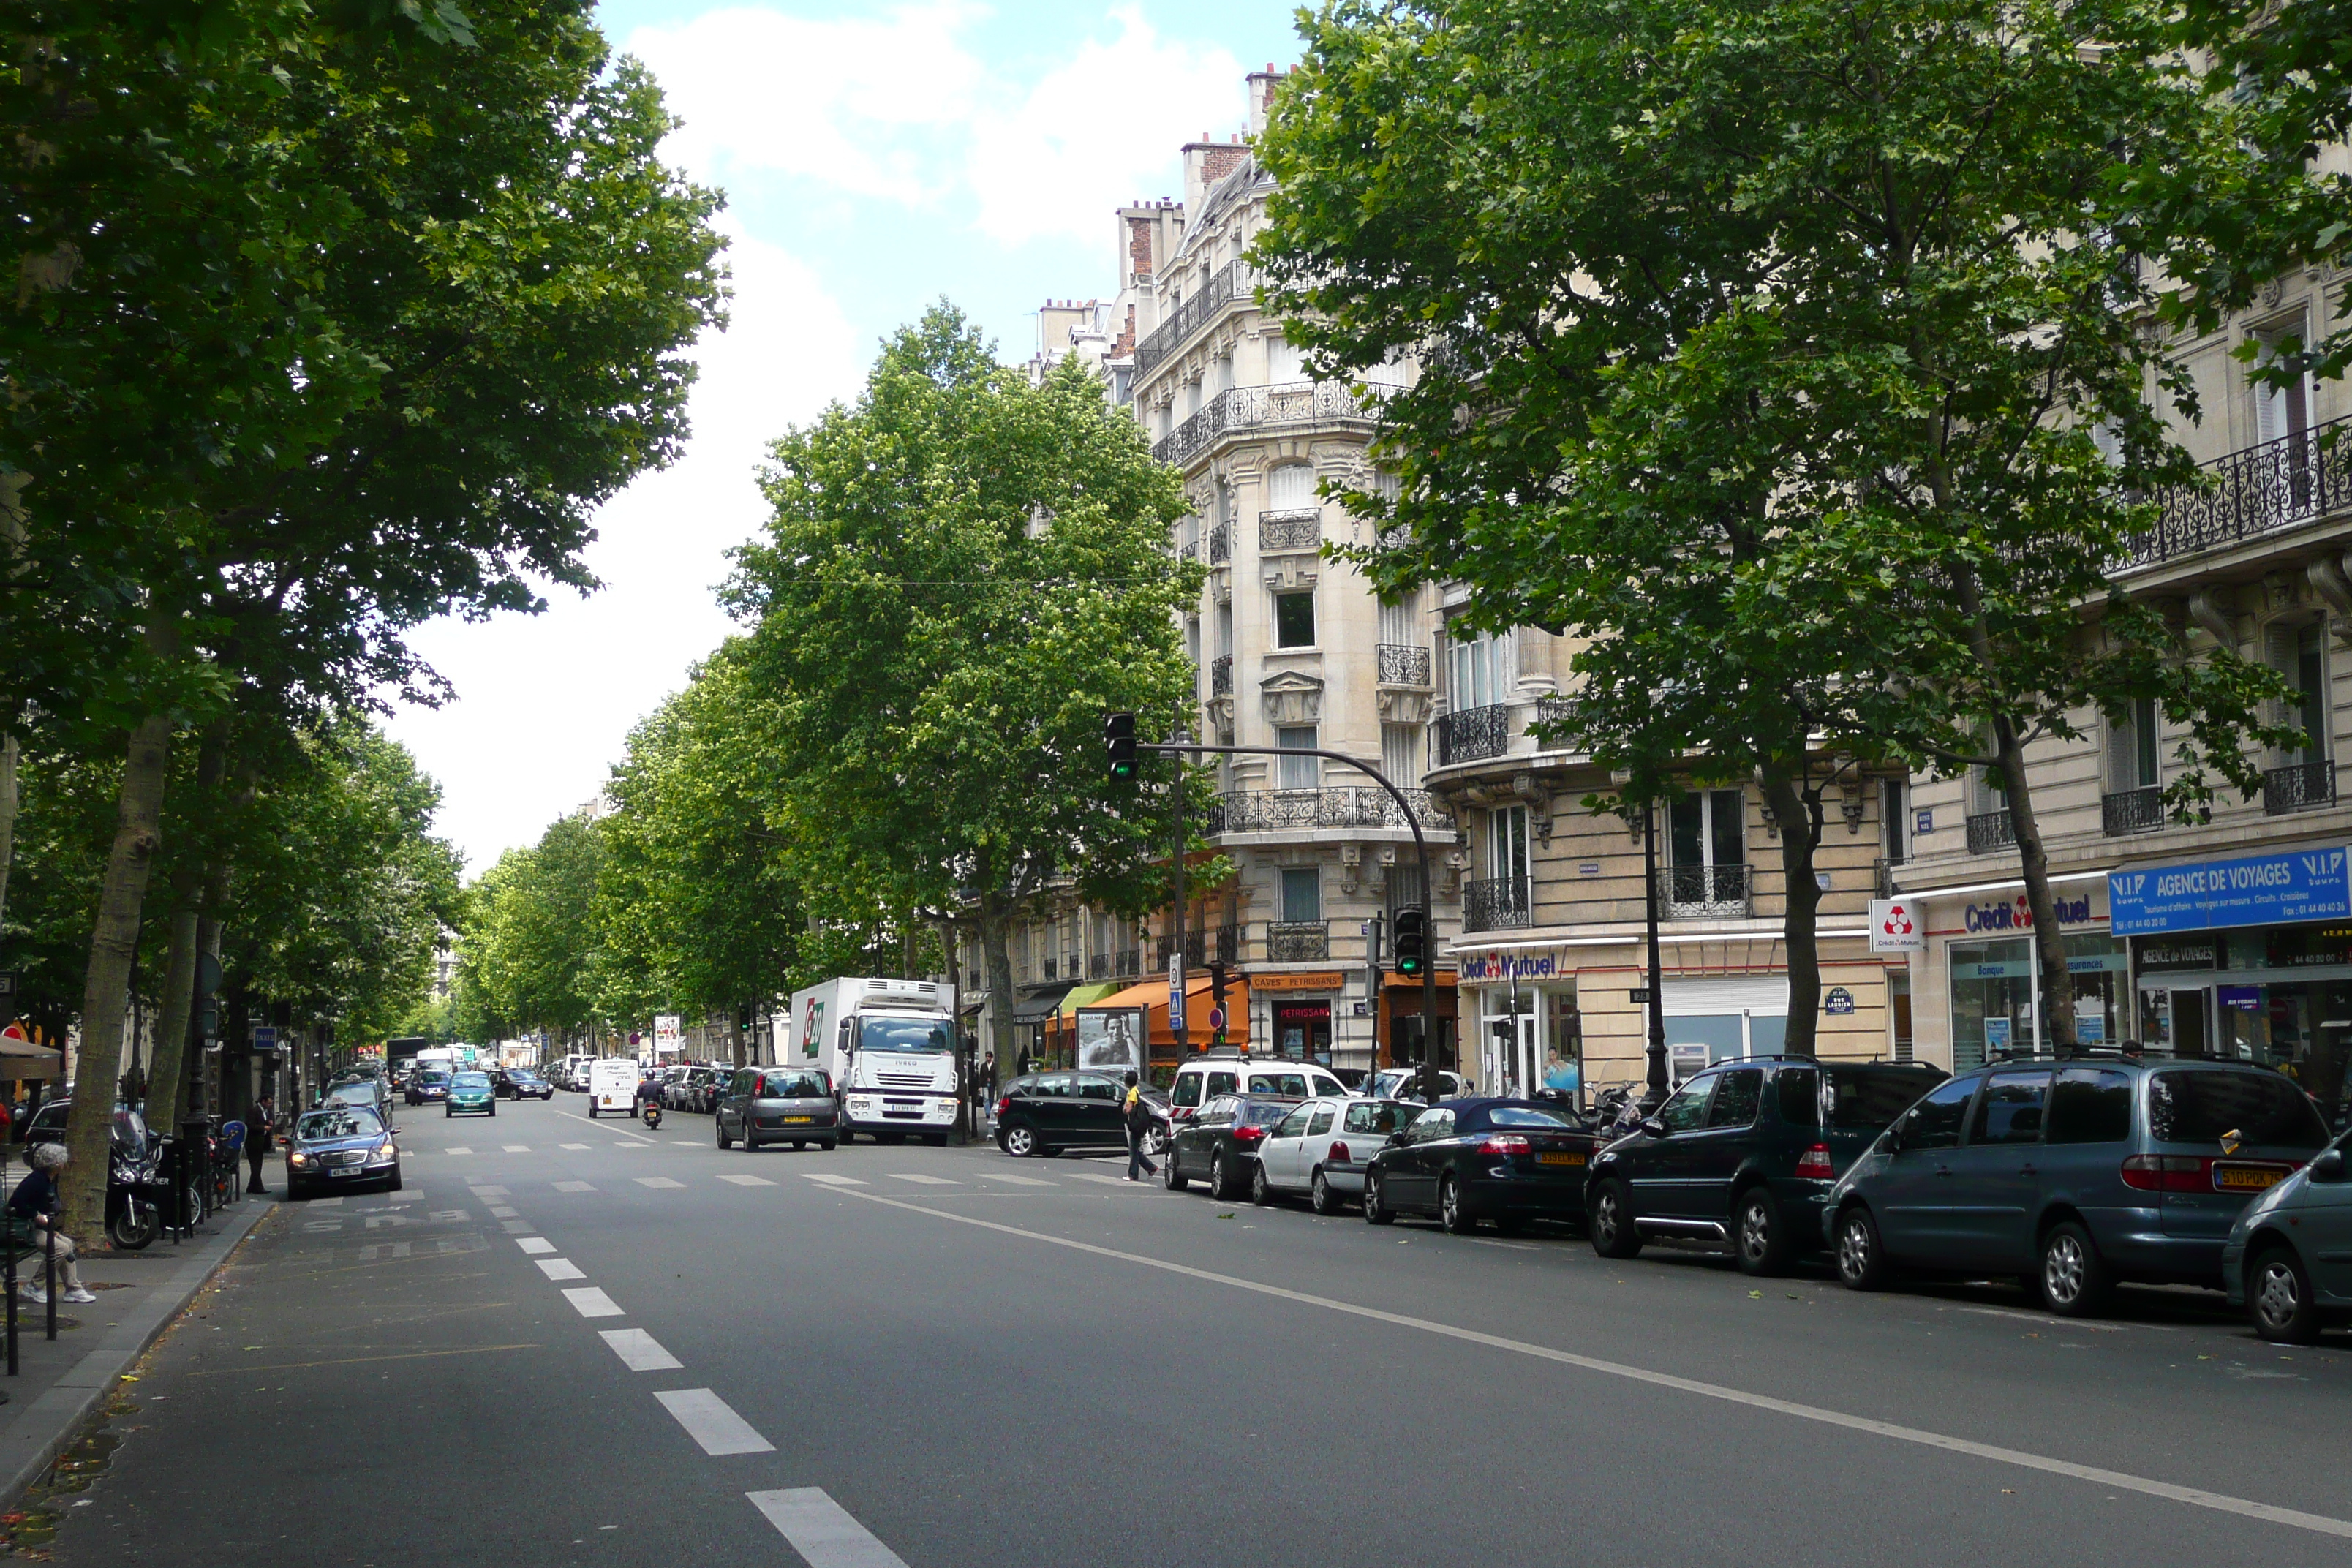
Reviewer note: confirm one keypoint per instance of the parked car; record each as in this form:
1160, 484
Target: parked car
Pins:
1506, 1160
701, 1090
367, 1091
673, 1087
2288, 1260
1745, 1152
1324, 1148
2072, 1175
777, 1105
521, 1083
427, 1085
339, 1146
1404, 1083
1227, 1070
1046, 1112
130, 1133
470, 1092
1220, 1143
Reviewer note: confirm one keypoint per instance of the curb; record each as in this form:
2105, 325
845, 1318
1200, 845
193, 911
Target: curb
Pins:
50, 1422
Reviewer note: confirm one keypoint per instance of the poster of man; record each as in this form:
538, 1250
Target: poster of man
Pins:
1110, 1039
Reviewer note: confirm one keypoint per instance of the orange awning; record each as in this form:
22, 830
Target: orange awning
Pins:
1199, 986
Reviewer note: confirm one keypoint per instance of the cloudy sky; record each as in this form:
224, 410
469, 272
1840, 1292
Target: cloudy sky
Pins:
874, 159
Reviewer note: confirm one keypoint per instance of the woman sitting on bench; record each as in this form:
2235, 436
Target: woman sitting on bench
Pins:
35, 1205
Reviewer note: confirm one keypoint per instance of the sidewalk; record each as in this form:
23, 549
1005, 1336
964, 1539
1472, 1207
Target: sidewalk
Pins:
140, 1294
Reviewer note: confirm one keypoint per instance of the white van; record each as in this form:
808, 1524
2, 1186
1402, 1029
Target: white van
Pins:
1224, 1070
613, 1085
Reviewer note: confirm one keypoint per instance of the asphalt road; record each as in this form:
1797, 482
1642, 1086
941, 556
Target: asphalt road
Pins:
947, 1357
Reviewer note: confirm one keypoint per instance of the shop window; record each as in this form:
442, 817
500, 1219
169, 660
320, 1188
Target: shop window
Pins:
1294, 620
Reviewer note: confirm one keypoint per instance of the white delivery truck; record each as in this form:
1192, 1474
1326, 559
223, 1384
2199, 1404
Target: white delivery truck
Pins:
613, 1085
888, 1045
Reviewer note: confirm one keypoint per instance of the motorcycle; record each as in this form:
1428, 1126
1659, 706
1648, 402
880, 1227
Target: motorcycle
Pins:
653, 1114
134, 1215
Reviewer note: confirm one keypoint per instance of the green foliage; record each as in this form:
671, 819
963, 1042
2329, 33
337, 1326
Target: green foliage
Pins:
529, 954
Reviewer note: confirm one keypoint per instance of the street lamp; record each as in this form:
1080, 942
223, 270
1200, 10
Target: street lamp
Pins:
1656, 1094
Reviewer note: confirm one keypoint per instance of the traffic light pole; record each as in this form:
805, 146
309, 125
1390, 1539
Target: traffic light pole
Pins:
1431, 1082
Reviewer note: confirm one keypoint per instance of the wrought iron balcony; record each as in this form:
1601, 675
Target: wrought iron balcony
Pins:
1299, 527
1189, 551
1293, 810
2258, 490
1098, 966
2131, 810
1051, 971
1990, 830
1221, 544
1256, 407
1555, 710
1236, 280
1471, 733
1402, 663
1497, 903
2299, 787
1297, 941
1704, 892
1221, 676
1219, 944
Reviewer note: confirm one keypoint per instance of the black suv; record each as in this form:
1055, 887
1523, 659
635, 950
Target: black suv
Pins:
1745, 1153
1048, 1112
1220, 1144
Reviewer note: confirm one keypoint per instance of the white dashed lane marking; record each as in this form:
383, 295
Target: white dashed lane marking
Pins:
517, 1147
574, 1188
487, 1191
1009, 1178
822, 1531
499, 1212
456, 1151
638, 1350
709, 1421
561, 1269
921, 1181
534, 1244
573, 1145
657, 1182
1096, 1176
744, 1180
591, 1302
832, 1181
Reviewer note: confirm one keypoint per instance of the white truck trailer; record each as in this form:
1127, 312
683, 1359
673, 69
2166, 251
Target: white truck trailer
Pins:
888, 1045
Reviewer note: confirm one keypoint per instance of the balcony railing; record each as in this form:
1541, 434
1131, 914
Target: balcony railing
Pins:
2258, 490
1989, 831
1470, 733
1555, 710
1497, 903
1053, 970
1221, 676
2131, 811
1299, 527
1255, 407
1219, 944
1115, 965
1289, 810
1221, 544
2295, 788
1297, 941
1704, 892
1234, 280
1403, 664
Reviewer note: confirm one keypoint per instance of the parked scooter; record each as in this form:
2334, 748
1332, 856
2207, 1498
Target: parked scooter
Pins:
134, 1215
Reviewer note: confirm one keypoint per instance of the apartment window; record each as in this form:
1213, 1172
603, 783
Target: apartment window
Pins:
1479, 671
1709, 829
1401, 620
1300, 771
1893, 820
2132, 741
1405, 888
1506, 843
2310, 687
1221, 373
2281, 411
1191, 404
1290, 487
1294, 620
1401, 754
1283, 362
1225, 629
1193, 639
1302, 895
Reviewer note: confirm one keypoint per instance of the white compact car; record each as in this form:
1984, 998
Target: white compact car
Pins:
1322, 1147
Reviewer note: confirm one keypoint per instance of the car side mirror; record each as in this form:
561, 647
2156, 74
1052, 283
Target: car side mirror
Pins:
2328, 1167
1395, 1138
1655, 1128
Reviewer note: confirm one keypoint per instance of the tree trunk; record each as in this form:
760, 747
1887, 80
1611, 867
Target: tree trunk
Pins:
208, 945
996, 951
105, 997
9, 752
2049, 941
171, 1062
1800, 819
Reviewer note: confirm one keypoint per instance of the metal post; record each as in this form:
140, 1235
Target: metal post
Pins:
49, 1276
9, 1284
1655, 1093
1179, 1020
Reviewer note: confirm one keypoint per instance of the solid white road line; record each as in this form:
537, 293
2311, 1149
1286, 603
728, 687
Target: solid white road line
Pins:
688, 1142
2196, 1497
832, 1181
638, 1350
534, 1244
656, 1181
921, 1181
744, 1180
516, 1148
561, 1269
575, 1145
822, 1531
709, 1421
591, 1302
1010, 1178
456, 1151
574, 1188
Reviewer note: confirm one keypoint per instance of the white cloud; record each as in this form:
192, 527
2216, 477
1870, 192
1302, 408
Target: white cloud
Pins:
903, 107
546, 702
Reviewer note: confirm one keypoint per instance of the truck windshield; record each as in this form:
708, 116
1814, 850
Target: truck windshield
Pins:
903, 1035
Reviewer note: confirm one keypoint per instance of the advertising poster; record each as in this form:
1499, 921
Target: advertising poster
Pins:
1110, 1039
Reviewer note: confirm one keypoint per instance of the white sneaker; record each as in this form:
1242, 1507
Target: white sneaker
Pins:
79, 1297
36, 1295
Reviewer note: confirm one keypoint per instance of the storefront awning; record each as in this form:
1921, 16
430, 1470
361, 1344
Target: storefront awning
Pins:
1077, 996
1033, 1009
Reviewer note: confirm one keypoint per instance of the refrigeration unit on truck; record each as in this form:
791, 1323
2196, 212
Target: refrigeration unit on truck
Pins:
888, 1045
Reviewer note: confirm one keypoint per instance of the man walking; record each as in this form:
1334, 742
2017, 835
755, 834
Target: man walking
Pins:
259, 1123
1139, 1128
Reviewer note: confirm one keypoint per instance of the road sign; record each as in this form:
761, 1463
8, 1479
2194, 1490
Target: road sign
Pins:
1640, 993
7, 986
265, 1038
1896, 925
1176, 990
1839, 1002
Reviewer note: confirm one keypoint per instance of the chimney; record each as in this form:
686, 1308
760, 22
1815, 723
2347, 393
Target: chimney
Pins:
1261, 84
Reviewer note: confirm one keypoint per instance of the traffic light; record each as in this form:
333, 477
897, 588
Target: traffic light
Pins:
1118, 740
1413, 942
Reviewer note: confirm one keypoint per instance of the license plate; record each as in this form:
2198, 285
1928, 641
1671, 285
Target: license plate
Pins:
790, 1120
2245, 1178
1559, 1158
346, 1171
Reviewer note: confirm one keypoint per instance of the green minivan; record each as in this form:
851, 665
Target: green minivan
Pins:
470, 1092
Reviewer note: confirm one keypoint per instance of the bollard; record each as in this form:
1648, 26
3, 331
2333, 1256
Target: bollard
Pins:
50, 1278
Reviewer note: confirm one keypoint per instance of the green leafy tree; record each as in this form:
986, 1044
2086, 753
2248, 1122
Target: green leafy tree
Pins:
963, 573
528, 957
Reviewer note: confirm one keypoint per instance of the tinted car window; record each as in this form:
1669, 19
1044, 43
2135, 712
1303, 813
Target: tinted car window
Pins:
1737, 1096
2260, 1106
1799, 1095
1188, 1089
1324, 1116
1870, 1101
1935, 1121
797, 1085
1055, 1087
1289, 1085
1523, 1116
1432, 1124
2090, 1105
352, 1122
1223, 1082
1295, 1125
2010, 1110
1381, 1116
1218, 1109
1260, 1112
1688, 1107
1098, 1088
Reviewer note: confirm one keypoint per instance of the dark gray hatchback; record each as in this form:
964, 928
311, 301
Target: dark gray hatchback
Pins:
2071, 1175
777, 1105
